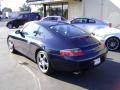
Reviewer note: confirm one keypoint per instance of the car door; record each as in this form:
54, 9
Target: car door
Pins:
25, 18
18, 20
20, 42
23, 41
37, 41
42, 40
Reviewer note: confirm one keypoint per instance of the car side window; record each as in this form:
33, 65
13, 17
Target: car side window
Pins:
26, 16
20, 16
45, 19
51, 19
54, 18
85, 21
78, 20
91, 21
31, 29
33, 16
63, 19
43, 33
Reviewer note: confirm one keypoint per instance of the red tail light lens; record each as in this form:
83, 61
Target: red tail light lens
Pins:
71, 52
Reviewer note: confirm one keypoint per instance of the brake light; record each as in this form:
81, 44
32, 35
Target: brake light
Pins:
71, 52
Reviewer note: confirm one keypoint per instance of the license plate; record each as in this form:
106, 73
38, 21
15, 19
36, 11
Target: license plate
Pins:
97, 61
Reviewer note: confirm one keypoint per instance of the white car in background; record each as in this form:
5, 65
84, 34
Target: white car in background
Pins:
109, 36
90, 24
55, 18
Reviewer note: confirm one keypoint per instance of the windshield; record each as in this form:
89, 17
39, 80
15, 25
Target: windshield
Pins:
67, 30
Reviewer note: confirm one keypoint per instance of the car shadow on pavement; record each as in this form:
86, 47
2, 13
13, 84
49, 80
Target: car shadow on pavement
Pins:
104, 77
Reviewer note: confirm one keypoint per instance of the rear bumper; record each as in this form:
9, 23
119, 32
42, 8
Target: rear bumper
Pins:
73, 66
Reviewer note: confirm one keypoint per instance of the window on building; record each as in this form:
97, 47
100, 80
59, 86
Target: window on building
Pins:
60, 9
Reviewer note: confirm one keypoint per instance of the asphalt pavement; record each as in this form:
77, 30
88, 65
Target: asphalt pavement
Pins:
20, 73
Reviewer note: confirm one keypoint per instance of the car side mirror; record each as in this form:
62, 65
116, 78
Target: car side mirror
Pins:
20, 32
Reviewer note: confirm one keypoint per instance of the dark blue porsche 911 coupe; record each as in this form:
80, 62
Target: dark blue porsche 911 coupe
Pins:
57, 46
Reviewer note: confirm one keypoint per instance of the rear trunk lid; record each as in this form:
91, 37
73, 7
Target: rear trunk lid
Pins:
85, 42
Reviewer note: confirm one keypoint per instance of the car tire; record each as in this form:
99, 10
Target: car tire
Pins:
43, 62
11, 46
10, 26
112, 43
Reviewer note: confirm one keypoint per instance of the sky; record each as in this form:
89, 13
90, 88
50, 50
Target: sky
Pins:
13, 4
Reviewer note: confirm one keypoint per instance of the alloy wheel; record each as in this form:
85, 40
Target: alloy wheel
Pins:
10, 46
113, 43
42, 60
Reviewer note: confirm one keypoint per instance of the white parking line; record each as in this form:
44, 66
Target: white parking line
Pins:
36, 79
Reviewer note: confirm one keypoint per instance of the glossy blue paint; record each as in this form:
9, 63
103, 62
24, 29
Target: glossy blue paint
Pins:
52, 41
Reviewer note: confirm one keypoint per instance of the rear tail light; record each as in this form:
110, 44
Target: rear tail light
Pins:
110, 25
71, 52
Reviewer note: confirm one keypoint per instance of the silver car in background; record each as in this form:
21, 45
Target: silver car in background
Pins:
90, 24
55, 18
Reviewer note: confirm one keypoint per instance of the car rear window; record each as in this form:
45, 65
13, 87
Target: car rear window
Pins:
67, 30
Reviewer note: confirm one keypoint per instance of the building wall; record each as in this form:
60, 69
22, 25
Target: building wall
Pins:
106, 10
75, 9
111, 12
93, 8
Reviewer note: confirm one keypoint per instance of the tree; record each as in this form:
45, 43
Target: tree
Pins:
25, 8
6, 9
